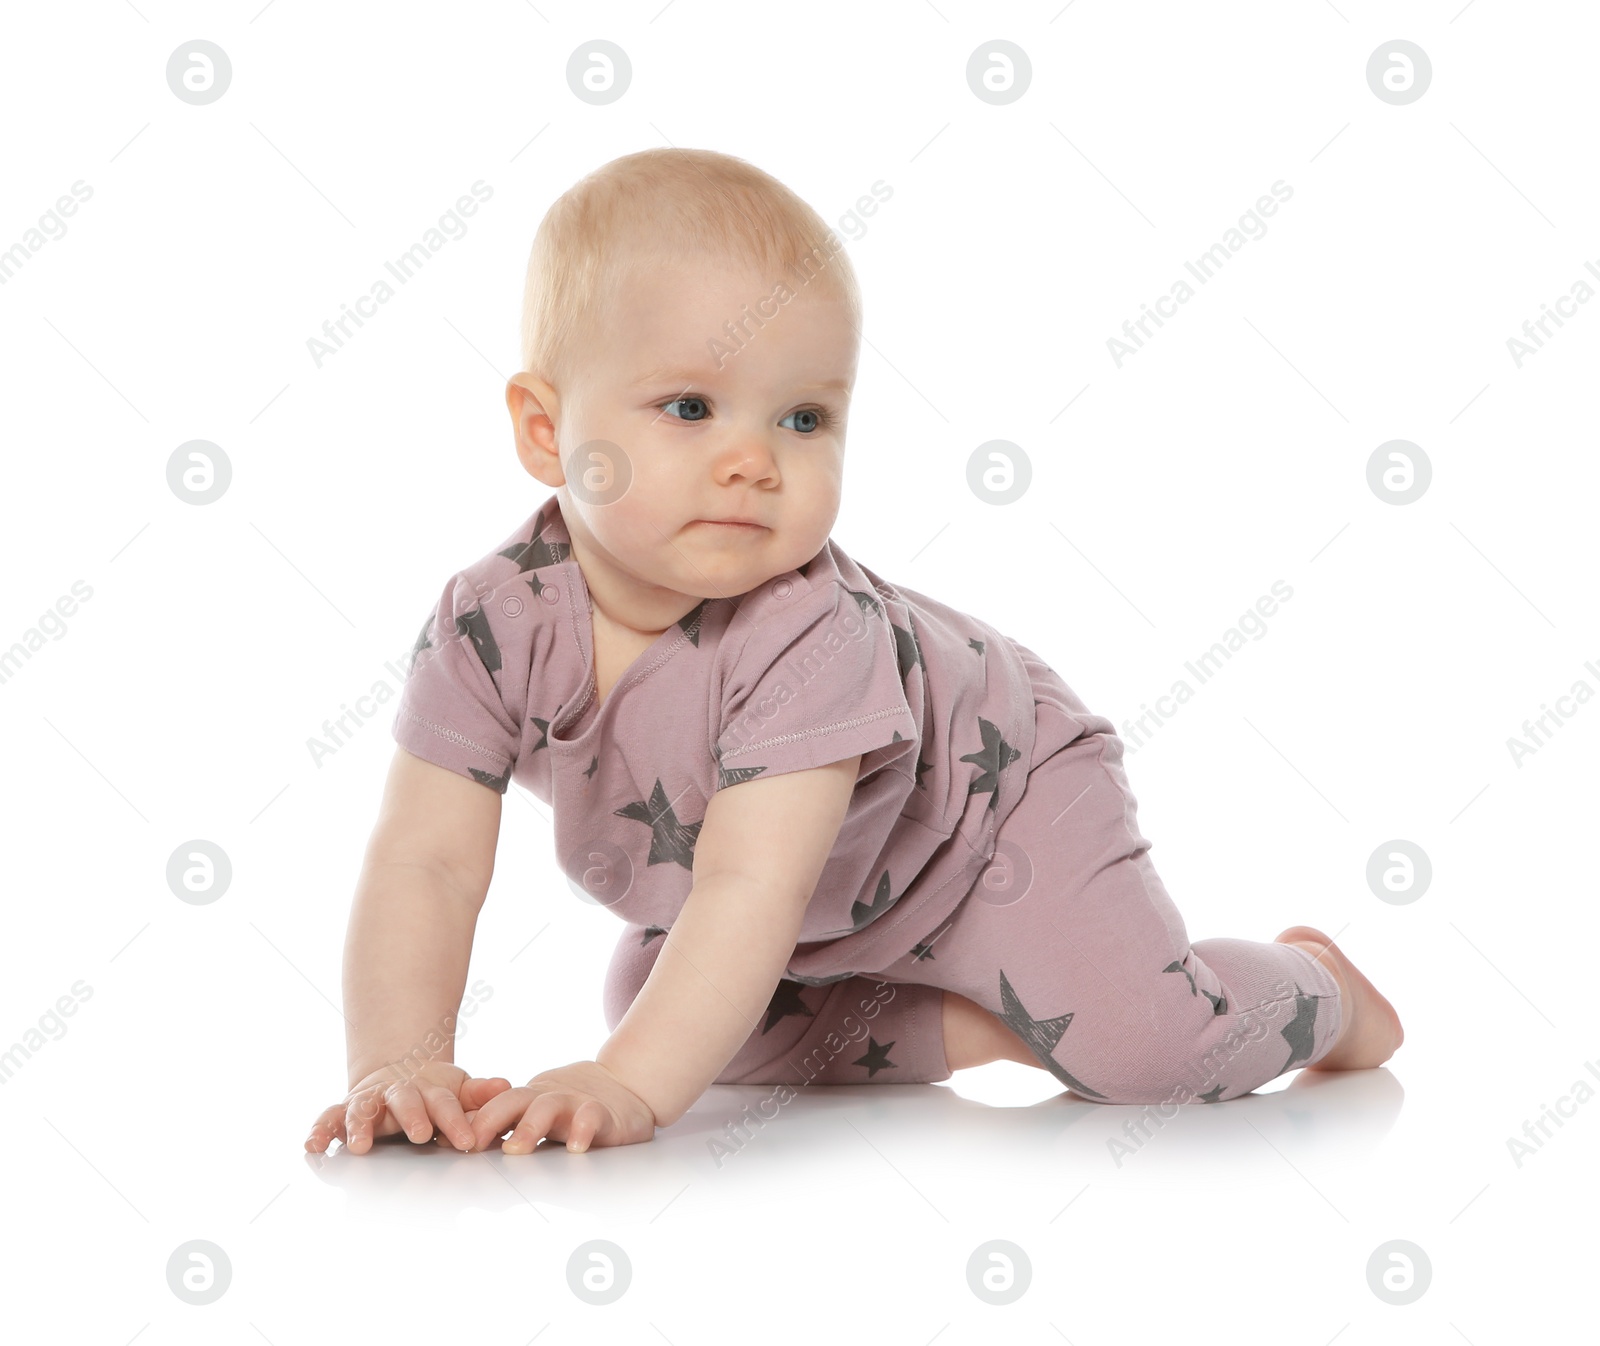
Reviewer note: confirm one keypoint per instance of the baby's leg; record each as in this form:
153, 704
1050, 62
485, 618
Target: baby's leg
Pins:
1090, 966
858, 1030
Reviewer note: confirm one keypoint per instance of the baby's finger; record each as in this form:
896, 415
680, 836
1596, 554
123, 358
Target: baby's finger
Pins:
476, 1092
445, 1109
363, 1113
442, 1139
498, 1115
547, 1113
587, 1122
410, 1112
328, 1128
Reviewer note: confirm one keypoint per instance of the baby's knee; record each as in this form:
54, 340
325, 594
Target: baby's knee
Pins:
1126, 1060
1185, 1059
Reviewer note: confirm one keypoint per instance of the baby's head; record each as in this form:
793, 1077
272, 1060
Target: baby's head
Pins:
689, 343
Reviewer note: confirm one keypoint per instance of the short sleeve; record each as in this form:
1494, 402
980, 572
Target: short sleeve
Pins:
451, 711
814, 683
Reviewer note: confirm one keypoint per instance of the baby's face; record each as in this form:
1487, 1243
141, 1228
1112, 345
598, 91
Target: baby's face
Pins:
754, 431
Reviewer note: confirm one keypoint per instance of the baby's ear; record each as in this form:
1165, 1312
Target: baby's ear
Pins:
533, 405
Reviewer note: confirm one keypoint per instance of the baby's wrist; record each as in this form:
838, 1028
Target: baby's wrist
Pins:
628, 1079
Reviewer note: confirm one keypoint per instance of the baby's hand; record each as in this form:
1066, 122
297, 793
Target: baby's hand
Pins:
583, 1104
390, 1100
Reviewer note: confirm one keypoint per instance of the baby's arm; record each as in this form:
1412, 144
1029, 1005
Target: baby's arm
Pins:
408, 944
758, 856
423, 882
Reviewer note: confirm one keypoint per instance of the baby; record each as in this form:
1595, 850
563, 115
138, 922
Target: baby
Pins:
855, 836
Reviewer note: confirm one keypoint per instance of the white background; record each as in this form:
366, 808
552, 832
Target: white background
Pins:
1167, 496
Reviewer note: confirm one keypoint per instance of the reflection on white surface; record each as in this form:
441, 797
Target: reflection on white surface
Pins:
1004, 1121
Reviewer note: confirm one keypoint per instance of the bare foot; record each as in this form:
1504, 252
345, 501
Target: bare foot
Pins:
1370, 1032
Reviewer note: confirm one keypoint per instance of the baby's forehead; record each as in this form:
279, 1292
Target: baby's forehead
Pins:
681, 318
645, 264
703, 279
686, 332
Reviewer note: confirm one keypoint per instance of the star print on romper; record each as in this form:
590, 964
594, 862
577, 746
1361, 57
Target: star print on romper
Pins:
1219, 1004
499, 784
785, 1001
994, 757
476, 625
925, 949
1040, 1035
907, 652
863, 913
727, 776
868, 603
423, 643
689, 623
977, 644
1297, 1032
669, 839
1211, 1095
536, 552
650, 933
876, 1058
1176, 966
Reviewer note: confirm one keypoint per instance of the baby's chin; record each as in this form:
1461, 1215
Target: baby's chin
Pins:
732, 581
737, 583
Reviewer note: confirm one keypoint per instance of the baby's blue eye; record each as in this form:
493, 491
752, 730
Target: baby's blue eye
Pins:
811, 419
818, 419
692, 401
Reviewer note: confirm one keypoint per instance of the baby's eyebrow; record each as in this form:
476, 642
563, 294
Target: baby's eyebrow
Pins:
668, 376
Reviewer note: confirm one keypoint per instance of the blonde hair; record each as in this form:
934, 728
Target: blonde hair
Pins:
664, 203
